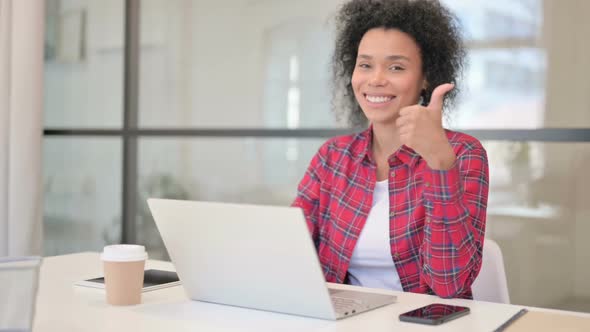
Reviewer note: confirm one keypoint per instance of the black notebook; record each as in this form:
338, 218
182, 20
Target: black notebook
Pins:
152, 279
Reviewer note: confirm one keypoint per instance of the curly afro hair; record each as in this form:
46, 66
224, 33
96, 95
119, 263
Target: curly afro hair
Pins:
432, 26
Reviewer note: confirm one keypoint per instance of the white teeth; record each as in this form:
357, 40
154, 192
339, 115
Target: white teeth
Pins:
378, 99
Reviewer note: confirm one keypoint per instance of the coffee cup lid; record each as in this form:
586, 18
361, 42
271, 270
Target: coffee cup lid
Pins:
124, 253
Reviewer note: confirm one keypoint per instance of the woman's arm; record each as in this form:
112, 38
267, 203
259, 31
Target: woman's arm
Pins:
308, 192
455, 201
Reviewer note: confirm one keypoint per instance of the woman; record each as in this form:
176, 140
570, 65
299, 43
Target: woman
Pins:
401, 205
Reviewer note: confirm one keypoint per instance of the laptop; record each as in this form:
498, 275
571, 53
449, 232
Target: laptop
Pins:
259, 257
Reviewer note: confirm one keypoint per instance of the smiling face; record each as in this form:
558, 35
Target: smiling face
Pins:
387, 75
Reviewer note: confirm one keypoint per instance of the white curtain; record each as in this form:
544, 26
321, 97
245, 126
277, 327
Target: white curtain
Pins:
21, 104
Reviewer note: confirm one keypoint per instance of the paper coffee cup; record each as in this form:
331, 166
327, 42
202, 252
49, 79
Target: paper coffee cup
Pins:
123, 273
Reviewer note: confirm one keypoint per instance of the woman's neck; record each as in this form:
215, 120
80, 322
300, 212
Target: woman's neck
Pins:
385, 141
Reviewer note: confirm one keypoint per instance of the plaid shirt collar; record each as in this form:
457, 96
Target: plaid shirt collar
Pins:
404, 154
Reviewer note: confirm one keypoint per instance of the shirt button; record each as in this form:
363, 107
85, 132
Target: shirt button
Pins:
427, 219
392, 214
392, 174
426, 184
396, 256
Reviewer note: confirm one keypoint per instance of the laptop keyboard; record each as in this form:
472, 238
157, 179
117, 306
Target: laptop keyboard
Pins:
347, 302
346, 305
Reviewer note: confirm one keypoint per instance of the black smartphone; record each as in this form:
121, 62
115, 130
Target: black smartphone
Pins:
434, 314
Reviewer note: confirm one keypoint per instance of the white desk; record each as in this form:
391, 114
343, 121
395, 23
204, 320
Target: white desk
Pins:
64, 307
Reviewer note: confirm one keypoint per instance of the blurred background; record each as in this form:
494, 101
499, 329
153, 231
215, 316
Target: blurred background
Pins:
228, 100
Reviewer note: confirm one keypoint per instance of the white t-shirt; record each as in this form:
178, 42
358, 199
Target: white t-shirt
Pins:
371, 264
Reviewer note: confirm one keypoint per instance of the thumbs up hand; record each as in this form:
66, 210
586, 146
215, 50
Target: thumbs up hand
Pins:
420, 128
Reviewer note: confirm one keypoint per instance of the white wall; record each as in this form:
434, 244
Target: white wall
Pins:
568, 105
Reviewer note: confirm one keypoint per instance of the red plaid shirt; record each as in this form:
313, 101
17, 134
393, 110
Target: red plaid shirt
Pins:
437, 218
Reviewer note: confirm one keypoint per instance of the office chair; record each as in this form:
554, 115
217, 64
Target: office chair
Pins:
491, 285
19, 278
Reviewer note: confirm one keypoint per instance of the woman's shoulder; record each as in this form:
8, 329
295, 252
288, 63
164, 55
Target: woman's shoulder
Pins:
352, 145
463, 141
